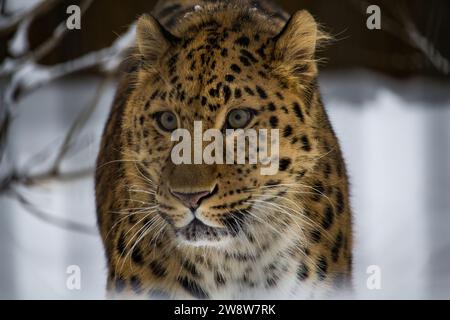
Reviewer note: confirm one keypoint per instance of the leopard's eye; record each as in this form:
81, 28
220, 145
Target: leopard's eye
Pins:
166, 120
239, 118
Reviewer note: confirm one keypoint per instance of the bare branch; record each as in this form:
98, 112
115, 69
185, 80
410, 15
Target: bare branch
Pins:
419, 41
78, 125
56, 221
31, 76
2, 7
407, 31
19, 70
13, 179
54, 173
24, 75
16, 178
19, 44
8, 23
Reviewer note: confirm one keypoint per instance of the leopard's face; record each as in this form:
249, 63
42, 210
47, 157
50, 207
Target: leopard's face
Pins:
224, 78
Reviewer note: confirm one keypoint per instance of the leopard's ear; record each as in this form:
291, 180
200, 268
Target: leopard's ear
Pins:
296, 44
152, 39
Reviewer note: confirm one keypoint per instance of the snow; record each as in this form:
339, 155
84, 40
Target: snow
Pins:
19, 43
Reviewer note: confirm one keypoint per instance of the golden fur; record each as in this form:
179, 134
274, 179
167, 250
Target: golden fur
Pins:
287, 235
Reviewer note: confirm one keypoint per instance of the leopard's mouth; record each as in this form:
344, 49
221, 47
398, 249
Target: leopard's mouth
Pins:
198, 233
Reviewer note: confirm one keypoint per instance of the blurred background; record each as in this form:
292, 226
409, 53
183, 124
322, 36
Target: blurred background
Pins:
387, 92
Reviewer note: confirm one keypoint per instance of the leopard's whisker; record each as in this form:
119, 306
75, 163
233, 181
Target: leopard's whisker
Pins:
304, 218
138, 233
264, 222
114, 161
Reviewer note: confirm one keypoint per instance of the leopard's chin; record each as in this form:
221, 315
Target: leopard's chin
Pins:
198, 234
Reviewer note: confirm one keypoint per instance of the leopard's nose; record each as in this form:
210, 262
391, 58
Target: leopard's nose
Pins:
191, 200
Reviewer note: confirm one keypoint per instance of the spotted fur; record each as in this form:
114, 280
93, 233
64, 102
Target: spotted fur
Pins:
281, 236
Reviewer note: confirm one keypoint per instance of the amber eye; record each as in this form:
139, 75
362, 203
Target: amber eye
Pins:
166, 120
239, 118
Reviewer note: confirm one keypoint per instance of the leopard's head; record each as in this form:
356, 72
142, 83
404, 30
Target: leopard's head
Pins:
225, 72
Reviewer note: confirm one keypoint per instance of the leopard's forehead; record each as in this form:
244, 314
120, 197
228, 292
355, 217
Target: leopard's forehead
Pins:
217, 69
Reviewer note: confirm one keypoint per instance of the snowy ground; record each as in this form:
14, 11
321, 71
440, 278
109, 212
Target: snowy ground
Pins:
396, 139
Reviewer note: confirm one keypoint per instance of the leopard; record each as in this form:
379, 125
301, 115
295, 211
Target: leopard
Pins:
220, 230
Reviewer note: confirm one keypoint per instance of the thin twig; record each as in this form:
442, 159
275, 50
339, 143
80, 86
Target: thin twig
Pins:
56, 221
406, 30
14, 178
8, 23
27, 75
45, 47
24, 75
79, 124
